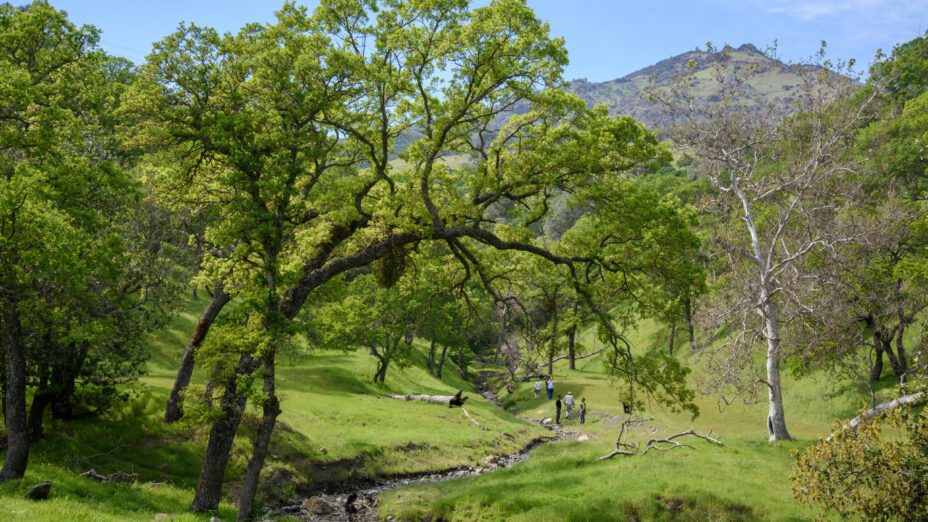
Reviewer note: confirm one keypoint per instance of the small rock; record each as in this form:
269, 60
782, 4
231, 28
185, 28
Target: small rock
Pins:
214, 518
547, 421
39, 491
318, 506
492, 460
163, 516
324, 451
582, 438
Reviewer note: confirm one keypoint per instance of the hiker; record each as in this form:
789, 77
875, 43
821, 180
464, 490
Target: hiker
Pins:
582, 410
550, 385
537, 387
569, 403
557, 410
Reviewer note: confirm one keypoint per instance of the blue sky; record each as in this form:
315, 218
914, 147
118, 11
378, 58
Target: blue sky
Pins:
606, 39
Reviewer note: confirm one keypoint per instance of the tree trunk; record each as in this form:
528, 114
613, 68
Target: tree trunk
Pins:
441, 361
688, 312
571, 346
876, 371
40, 401
432, 357
17, 433
776, 419
902, 359
673, 337
175, 406
553, 349
271, 409
221, 436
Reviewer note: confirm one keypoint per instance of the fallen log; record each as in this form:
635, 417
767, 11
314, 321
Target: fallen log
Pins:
434, 399
911, 399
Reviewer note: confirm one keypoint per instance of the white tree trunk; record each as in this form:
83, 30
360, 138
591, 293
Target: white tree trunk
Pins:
776, 418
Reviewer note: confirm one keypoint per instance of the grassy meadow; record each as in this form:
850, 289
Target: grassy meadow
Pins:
339, 428
747, 479
336, 427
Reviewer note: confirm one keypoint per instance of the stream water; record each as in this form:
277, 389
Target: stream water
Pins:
331, 506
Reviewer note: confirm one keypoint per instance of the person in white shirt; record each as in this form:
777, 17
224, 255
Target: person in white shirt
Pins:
537, 387
569, 404
550, 388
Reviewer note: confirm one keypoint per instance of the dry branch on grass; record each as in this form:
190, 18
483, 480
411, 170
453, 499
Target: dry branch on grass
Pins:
656, 444
119, 476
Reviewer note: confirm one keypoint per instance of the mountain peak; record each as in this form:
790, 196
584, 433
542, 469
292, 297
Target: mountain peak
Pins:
624, 95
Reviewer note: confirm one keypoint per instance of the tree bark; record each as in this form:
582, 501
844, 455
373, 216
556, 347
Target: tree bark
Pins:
902, 359
876, 371
271, 409
571, 346
776, 418
673, 337
174, 410
688, 312
441, 361
221, 436
17, 433
40, 401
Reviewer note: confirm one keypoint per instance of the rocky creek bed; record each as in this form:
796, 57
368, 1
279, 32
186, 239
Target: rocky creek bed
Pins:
330, 506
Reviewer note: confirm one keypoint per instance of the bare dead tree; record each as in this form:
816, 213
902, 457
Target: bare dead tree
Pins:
781, 168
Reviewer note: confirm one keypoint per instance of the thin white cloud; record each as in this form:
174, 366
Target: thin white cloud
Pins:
809, 10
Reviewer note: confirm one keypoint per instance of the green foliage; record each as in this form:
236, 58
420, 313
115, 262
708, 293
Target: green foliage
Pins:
877, 472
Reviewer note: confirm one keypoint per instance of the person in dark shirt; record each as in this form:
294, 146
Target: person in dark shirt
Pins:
557, 410
582, 410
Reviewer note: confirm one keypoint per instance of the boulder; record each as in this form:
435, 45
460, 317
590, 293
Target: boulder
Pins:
39, 491
583, 438
547, 421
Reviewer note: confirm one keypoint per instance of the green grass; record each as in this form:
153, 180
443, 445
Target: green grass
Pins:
336, 426
747, 479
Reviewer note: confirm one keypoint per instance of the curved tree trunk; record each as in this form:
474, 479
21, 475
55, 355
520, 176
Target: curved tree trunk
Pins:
17, 433
271, 409
221, 436
175, 405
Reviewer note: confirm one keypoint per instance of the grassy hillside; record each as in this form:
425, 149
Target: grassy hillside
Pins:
747, 479
335, 426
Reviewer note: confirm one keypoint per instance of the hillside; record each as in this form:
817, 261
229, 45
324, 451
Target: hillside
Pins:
624, 96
